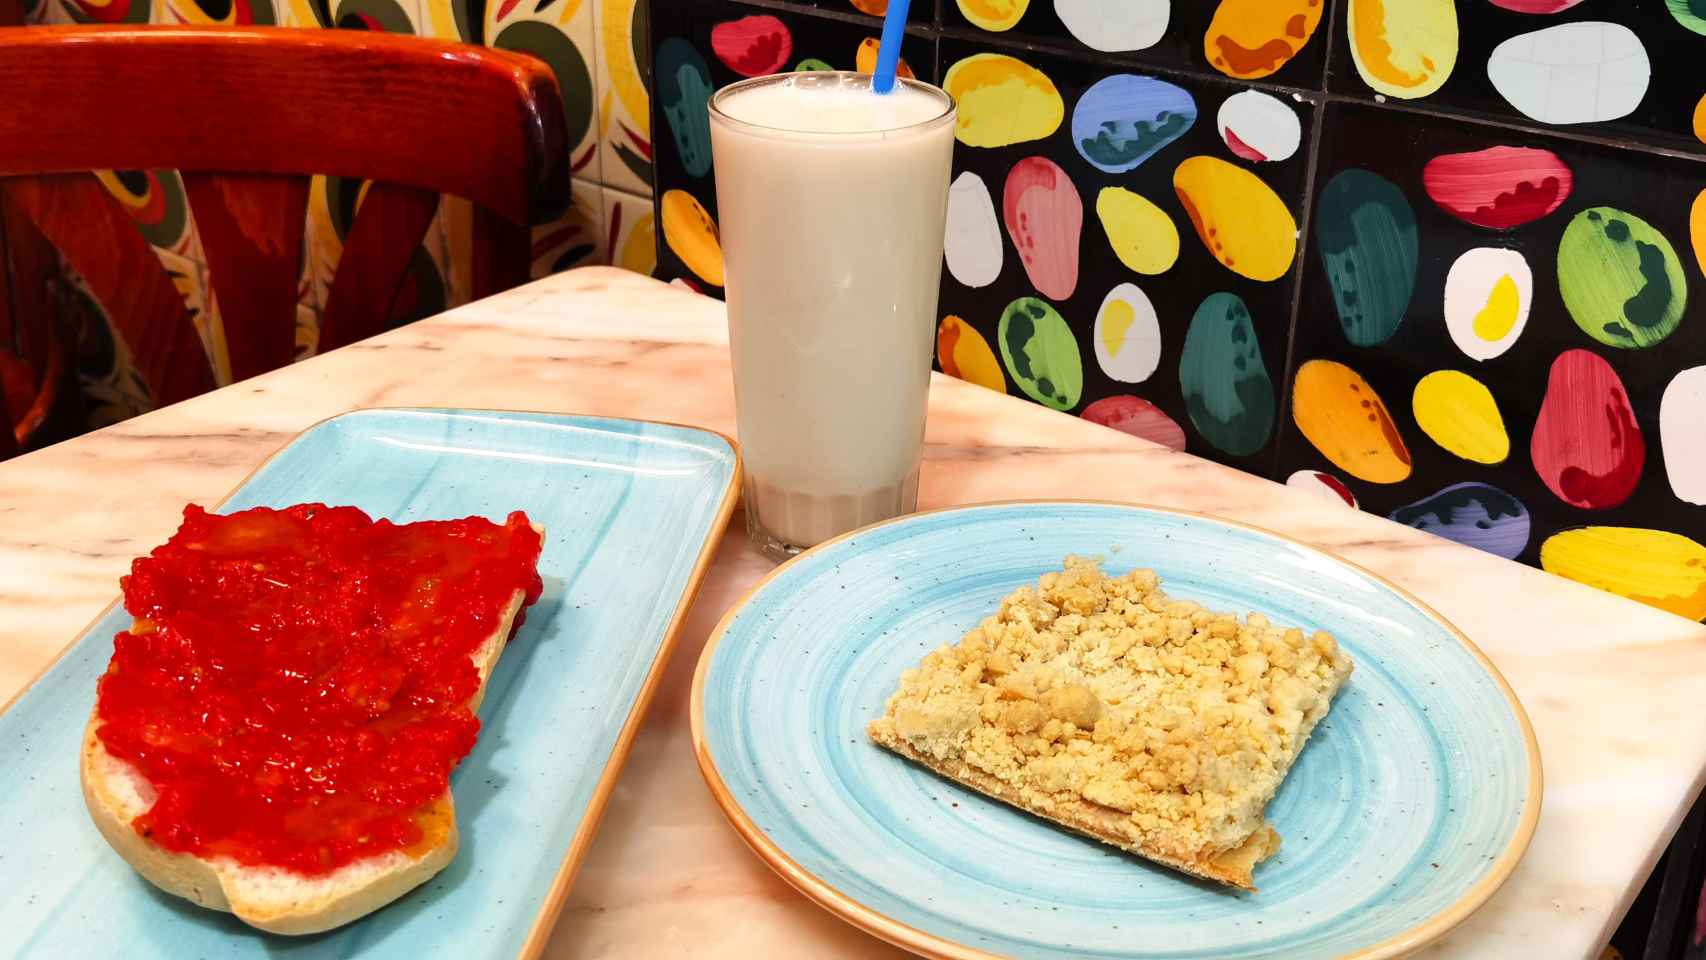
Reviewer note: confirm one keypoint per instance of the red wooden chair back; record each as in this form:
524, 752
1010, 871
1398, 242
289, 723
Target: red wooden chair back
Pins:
248, 115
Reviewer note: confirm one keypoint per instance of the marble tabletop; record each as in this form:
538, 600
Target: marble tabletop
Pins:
1614, 689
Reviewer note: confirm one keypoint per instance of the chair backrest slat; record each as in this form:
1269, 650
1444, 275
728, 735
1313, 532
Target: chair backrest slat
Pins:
381, 242
247, 116
100, 242
251, 233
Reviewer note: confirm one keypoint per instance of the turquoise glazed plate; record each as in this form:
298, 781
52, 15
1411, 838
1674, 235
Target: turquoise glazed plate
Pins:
632, 512
1411, 804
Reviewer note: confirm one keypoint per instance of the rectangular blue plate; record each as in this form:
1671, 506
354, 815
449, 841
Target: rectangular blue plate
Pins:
632, 512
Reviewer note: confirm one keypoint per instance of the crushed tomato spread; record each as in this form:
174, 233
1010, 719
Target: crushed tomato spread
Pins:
296, 685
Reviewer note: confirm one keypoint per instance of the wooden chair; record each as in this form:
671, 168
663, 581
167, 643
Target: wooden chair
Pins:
248, 115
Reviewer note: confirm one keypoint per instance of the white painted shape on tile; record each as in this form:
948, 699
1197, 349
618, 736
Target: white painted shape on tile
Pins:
1262, 122
1115, 25
1467, 287
1682, 434
1136, 354
973, 245
1583, 72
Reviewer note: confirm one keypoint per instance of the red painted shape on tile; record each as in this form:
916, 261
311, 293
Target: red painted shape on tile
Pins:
1587, 447
1138, 417
1500, 187
1045, 218
752, 46
1536, 6
1243, 149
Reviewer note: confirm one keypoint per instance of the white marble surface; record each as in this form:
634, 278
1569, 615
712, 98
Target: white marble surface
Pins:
1614, 689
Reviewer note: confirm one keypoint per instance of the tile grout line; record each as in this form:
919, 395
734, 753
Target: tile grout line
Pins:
1311, 167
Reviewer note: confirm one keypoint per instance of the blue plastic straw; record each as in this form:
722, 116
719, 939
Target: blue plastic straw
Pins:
888, 53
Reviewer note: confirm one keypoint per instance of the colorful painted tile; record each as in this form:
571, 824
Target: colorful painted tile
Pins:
577, 238
621, 84
630, 231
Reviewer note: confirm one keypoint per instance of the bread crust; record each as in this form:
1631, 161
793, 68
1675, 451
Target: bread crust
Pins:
272, 898
1233, 867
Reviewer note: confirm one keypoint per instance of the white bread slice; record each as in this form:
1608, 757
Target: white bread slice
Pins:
272, 898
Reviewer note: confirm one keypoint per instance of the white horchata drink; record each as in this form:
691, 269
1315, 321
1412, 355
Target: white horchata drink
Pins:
832, 200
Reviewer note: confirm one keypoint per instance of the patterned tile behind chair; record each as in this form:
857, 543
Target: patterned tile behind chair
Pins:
630, 231
575, 239
624, 99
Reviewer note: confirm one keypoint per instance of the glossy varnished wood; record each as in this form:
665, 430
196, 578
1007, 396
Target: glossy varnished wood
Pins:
475, 122
248, 115
251, 233
79, 217
388, 229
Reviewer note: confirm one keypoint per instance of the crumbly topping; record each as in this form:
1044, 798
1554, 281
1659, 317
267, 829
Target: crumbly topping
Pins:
1179, 721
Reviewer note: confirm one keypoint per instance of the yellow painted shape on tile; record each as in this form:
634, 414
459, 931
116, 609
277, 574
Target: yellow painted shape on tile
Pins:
1700, 119
1250, 39
1655, 567
1002, 101
1504, 303
301, 14
440, 17
1403, 48
192, 282
615, 26
865, 59
994, 15
1697, 229
639, 252
189, 13
130, 201
1238, 217
1116, 319
1459, 413
567, 13
963, 353
1343, 417
1141, 233
691, 233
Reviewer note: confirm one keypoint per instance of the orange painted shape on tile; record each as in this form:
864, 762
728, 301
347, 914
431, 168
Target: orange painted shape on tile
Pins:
1249, 39
1339, 412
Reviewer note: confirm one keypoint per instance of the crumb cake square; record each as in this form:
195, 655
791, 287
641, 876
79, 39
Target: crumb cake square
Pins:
1148, 723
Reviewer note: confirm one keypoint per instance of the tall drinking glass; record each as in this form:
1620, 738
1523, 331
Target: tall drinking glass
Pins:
832, 201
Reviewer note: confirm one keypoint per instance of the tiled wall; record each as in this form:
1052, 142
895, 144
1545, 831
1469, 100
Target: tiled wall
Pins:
596, 48
1430, 257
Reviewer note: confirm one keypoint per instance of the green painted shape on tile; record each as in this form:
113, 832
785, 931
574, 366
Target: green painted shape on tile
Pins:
170, 229
1621, 280
1228, 393
684, 91
1041, 353
810, 64
551, 44
639, 39
636, 164
1689, 13
1366, 233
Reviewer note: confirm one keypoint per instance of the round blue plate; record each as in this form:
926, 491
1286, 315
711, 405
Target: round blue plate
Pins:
1410, 805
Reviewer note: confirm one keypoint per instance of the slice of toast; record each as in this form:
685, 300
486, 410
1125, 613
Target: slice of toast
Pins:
1099, 704
271, 898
